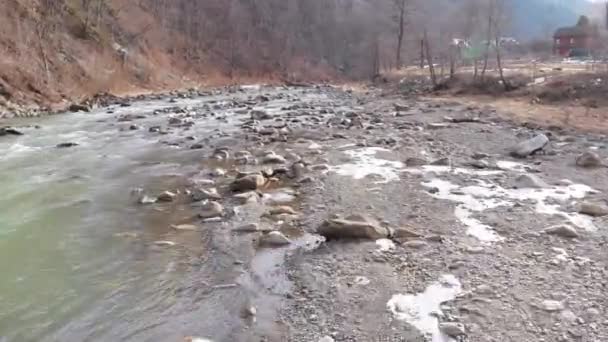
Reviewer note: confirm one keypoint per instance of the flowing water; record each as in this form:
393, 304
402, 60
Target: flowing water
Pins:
77, 254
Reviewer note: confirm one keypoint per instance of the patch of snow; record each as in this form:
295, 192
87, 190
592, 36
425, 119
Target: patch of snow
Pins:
485, 195
385, 245
365, 163
421, 310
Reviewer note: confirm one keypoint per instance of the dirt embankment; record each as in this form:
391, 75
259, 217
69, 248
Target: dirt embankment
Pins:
56, 53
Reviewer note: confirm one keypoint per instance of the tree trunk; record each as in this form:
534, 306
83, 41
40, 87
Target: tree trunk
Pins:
429, 59
505, 83
422, 54
400, 33
489, 37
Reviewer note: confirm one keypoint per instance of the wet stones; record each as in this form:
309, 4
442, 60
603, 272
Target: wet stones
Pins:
530, 146
248, 183
353, 227
593, 209
75, 107
211, 209
589, 160
562, 230
247, 197
281, 210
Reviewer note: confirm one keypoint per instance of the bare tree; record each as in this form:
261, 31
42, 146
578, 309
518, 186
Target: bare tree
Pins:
400, 6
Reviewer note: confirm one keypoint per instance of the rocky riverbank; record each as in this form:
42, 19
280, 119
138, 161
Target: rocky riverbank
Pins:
336, 216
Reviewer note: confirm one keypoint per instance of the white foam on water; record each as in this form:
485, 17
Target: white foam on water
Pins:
385, 245
421, 309
485, 195
17, 150
365, 163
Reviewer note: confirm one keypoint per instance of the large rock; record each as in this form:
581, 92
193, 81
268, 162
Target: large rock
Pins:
562, 230
530, 146
593, 209
66, 144
75, 107
352, 228
248, 182
589, 159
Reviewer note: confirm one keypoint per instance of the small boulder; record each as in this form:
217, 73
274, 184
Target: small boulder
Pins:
589, 159
167, 196
415, 244
525, 181
248, 228
75, 107
67, 145
275, 238
452, 329
552, 305
248, 183
9, 131
530, 146
562, 230
352, 228
204, 194
211, 209
273, 158
405, 234
247, 197
413, 161
260, 115
283, 209
593, 209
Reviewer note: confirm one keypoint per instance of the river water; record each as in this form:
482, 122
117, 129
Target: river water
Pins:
77, 254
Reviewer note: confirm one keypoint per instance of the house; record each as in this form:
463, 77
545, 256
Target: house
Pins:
576, 41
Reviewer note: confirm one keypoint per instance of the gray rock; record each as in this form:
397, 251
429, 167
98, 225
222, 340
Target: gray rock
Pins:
326, 339
413, 161
552, 305
352, 228
529, 147
204, 194
211, 209
275, 238
247, 197
283, 209
272, 158
248, 228
562, 230
248, 182
593, 209
260, 115
441, 162
589, 159
452, 329
405, 234
9, 131
167, 196
66, 144
145, 199
525, 181
415, 244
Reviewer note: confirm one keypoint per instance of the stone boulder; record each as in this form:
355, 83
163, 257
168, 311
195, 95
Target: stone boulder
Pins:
248, 182
354, 227
589, 159
530, 146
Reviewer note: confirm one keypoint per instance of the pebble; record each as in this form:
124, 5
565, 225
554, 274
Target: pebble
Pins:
552, 305
593, 209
